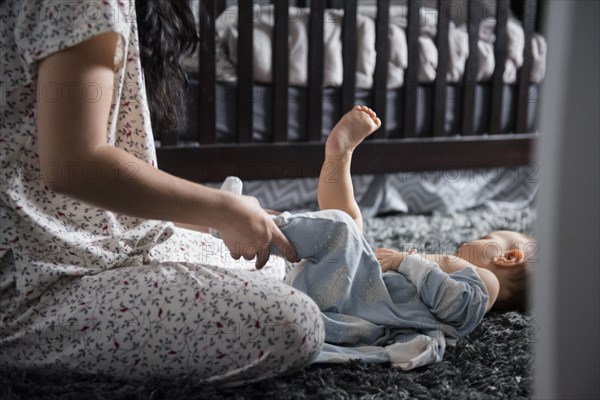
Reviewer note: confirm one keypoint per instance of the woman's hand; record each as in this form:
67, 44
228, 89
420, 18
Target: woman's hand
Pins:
248, 231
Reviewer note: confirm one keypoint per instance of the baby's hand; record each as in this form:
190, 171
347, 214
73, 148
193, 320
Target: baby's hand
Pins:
390, 259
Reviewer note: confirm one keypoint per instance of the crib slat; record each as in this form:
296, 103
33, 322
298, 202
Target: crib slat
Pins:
349, 55
206, 103
500, 52
315, 70
381, 64
221, 6
411, 78
280, 71
523, 100
245, 73
441, 84
470, 76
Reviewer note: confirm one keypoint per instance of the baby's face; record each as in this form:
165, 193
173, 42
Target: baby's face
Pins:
482, 252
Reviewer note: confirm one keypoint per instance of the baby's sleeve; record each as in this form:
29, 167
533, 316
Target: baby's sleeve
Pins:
45, 27
458, 299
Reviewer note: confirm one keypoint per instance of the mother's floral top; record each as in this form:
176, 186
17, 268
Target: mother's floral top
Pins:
51, 235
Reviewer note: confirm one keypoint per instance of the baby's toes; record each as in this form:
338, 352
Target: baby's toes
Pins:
377, 122
374, 118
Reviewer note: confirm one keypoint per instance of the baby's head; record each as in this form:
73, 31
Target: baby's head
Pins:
508, 255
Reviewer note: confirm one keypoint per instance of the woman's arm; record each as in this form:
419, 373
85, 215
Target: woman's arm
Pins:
72, 136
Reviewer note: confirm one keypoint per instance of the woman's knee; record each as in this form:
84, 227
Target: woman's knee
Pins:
231, 326
299, 327
290, 341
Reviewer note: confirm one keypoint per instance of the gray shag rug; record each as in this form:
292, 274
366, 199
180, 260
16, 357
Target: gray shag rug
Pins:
494, 361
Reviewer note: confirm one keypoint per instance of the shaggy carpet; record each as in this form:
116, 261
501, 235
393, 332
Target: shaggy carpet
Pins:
494, 361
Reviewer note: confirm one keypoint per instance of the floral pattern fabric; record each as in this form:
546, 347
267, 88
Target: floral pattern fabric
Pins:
82, 287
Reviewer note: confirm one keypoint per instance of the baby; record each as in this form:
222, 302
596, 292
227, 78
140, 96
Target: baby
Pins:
501, 258
506, 254
406, 314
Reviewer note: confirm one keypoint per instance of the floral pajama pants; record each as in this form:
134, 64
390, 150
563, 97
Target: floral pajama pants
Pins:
170, 318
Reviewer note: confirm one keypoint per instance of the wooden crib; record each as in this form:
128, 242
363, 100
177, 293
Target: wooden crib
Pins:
403, 150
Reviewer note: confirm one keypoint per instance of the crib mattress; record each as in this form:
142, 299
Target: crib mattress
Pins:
226, 110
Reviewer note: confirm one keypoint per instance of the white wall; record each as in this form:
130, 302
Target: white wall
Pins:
567, 280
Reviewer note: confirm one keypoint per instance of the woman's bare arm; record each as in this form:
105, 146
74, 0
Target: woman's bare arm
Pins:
72, 136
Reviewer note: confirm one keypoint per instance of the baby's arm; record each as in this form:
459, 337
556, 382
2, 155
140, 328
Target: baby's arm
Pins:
451, 291
391, 260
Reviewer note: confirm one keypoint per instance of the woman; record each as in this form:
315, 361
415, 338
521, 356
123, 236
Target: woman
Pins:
92, 277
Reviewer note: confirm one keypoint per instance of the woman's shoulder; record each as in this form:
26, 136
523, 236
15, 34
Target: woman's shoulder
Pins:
40, 28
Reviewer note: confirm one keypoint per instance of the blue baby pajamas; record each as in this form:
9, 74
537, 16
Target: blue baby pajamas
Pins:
400, 317
86, 289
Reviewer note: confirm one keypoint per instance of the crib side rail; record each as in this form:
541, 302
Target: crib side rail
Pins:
282, 161
431, 147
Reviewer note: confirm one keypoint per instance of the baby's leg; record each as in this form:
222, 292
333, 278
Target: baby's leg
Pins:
335, 189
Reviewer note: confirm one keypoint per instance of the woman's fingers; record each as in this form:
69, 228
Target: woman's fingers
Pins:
262, 256
285, 247
260, 246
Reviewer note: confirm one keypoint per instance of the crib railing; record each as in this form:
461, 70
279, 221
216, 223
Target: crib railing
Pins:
432, 148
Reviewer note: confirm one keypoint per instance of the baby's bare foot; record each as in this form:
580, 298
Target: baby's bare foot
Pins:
352, 129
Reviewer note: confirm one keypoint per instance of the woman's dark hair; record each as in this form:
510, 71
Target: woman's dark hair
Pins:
166, 31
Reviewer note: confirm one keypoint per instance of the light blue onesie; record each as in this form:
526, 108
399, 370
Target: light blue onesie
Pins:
400, 317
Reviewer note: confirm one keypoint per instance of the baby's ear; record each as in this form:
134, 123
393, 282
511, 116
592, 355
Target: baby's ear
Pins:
510, 258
